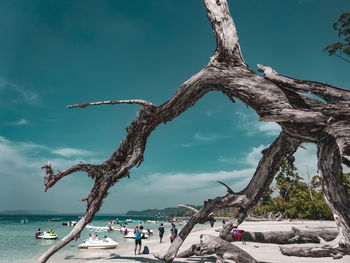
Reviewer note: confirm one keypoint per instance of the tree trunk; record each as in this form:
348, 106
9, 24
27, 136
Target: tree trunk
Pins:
295, 236
334, 190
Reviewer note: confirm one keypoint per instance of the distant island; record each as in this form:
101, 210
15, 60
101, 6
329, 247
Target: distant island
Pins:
166, 212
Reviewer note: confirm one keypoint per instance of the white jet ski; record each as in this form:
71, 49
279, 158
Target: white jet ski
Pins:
105, 243
132, 235
47, 235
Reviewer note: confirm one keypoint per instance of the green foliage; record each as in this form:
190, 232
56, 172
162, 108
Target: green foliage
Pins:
166, 212
342, 26
294, 197
346, 179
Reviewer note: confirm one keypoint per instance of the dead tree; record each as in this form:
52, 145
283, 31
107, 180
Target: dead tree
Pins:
274, 97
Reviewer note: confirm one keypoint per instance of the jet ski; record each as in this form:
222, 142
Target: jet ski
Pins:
94, 242
47, 235
132, 235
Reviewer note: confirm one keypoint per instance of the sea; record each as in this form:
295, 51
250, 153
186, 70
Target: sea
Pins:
18, 243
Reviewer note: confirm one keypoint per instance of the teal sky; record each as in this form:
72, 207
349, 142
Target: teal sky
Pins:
57, 53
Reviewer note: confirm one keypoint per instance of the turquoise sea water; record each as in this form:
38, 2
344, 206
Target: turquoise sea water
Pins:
18, 244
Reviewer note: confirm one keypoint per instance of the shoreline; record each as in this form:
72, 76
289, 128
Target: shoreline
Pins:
263, 252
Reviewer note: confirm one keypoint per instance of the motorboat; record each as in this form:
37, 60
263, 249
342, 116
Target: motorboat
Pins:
54, 219
100, 228
47, 235
69, 223
94, 242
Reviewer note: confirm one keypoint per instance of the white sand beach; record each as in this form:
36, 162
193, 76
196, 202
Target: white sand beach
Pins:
263, 252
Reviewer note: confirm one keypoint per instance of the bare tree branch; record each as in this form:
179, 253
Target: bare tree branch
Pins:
229, 190
189, 207
51, 178
140, 102
329, 93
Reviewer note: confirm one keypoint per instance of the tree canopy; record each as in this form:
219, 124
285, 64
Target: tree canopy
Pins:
342, 47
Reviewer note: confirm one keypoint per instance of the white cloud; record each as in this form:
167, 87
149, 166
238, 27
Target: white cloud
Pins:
251, 159
20, 122
208, 138
22, 178
255, 155
199, 139
269, 128
250, 124
306, 161
16, 94
26, 157
70, 152
189, 181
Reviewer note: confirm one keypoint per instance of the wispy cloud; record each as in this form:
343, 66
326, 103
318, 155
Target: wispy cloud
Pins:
27, 157
15, 94
250, 124
199, 139
254, 156
182, 182
250, 160
22, 178
70, 152
20, 122
212, 112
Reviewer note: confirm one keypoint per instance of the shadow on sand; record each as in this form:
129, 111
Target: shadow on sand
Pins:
114, 256
140, 258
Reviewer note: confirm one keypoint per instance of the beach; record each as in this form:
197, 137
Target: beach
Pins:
263, 252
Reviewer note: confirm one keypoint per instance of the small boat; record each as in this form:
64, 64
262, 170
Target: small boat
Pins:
24, 220
105, 243
128, 220
47, 235
152, 221
100, 228
54, 219
70, 223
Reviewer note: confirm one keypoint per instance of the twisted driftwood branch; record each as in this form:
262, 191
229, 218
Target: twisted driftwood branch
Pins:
274, 98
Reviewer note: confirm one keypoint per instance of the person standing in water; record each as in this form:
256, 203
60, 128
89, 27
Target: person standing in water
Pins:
138, 236
161, 232
173, 233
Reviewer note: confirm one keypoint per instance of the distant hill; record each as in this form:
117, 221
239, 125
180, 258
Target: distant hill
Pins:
166, 212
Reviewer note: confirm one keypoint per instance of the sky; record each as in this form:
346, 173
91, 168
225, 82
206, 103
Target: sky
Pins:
58, 53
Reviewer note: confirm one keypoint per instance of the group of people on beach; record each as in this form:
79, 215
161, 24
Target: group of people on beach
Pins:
173, 231
161, 230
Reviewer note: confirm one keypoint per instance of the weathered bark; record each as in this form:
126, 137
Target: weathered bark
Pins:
210, 245
287, 237
274, 98
315, 252
337, 198
336, 195
295, 236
